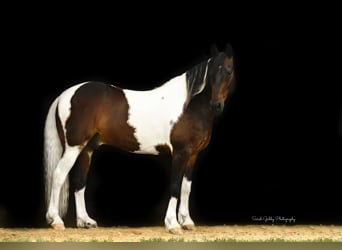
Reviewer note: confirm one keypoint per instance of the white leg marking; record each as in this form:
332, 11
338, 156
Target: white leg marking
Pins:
171, 222
183, 213
59, 176
83, 219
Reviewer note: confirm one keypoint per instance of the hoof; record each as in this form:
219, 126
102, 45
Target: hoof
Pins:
90, 225
86, 224
58, 226
176, 231
190, 227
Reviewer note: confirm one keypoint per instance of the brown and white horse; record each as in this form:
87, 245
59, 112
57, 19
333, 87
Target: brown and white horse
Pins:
176, 118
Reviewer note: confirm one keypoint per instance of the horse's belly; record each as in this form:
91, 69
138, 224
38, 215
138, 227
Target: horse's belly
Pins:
150, 137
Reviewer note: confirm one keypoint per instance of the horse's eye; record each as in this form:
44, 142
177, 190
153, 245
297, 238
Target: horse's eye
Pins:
222, 69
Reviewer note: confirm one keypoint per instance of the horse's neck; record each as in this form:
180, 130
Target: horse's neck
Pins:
199, 105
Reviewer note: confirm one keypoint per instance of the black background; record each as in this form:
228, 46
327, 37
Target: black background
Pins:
276, 150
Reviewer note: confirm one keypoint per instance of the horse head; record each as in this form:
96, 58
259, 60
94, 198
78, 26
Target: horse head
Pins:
220, 77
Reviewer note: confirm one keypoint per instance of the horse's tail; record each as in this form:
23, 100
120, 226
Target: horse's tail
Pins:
53, 150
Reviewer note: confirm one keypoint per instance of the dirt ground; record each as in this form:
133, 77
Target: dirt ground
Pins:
231, 233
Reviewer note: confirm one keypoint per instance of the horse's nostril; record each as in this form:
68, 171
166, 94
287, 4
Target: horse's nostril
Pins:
216, 106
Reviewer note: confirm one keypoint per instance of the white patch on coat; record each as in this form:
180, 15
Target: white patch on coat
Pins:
153, 113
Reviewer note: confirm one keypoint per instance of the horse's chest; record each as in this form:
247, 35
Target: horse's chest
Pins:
153, 116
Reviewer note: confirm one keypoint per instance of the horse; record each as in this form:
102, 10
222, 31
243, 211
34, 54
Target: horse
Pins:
175, 117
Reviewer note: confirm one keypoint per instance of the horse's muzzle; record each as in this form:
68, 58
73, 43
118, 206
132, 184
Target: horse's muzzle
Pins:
216, 106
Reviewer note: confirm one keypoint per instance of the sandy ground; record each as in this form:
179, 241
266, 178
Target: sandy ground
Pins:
250, 233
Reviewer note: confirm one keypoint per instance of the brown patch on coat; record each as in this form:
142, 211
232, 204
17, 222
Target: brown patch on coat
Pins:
163, 149
191, 134
97, 108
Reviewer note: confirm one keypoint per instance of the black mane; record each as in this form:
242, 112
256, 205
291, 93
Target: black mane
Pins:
195, 78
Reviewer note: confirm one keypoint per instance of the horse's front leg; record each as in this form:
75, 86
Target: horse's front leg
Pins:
184, 218
171, 222
179, 183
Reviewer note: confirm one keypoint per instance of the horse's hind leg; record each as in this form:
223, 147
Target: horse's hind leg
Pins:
59, 175
79, 178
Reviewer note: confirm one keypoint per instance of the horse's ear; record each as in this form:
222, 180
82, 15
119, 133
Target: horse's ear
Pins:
213, 50
228, 50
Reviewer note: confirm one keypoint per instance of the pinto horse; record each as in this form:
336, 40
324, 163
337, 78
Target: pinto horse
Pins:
176, 117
